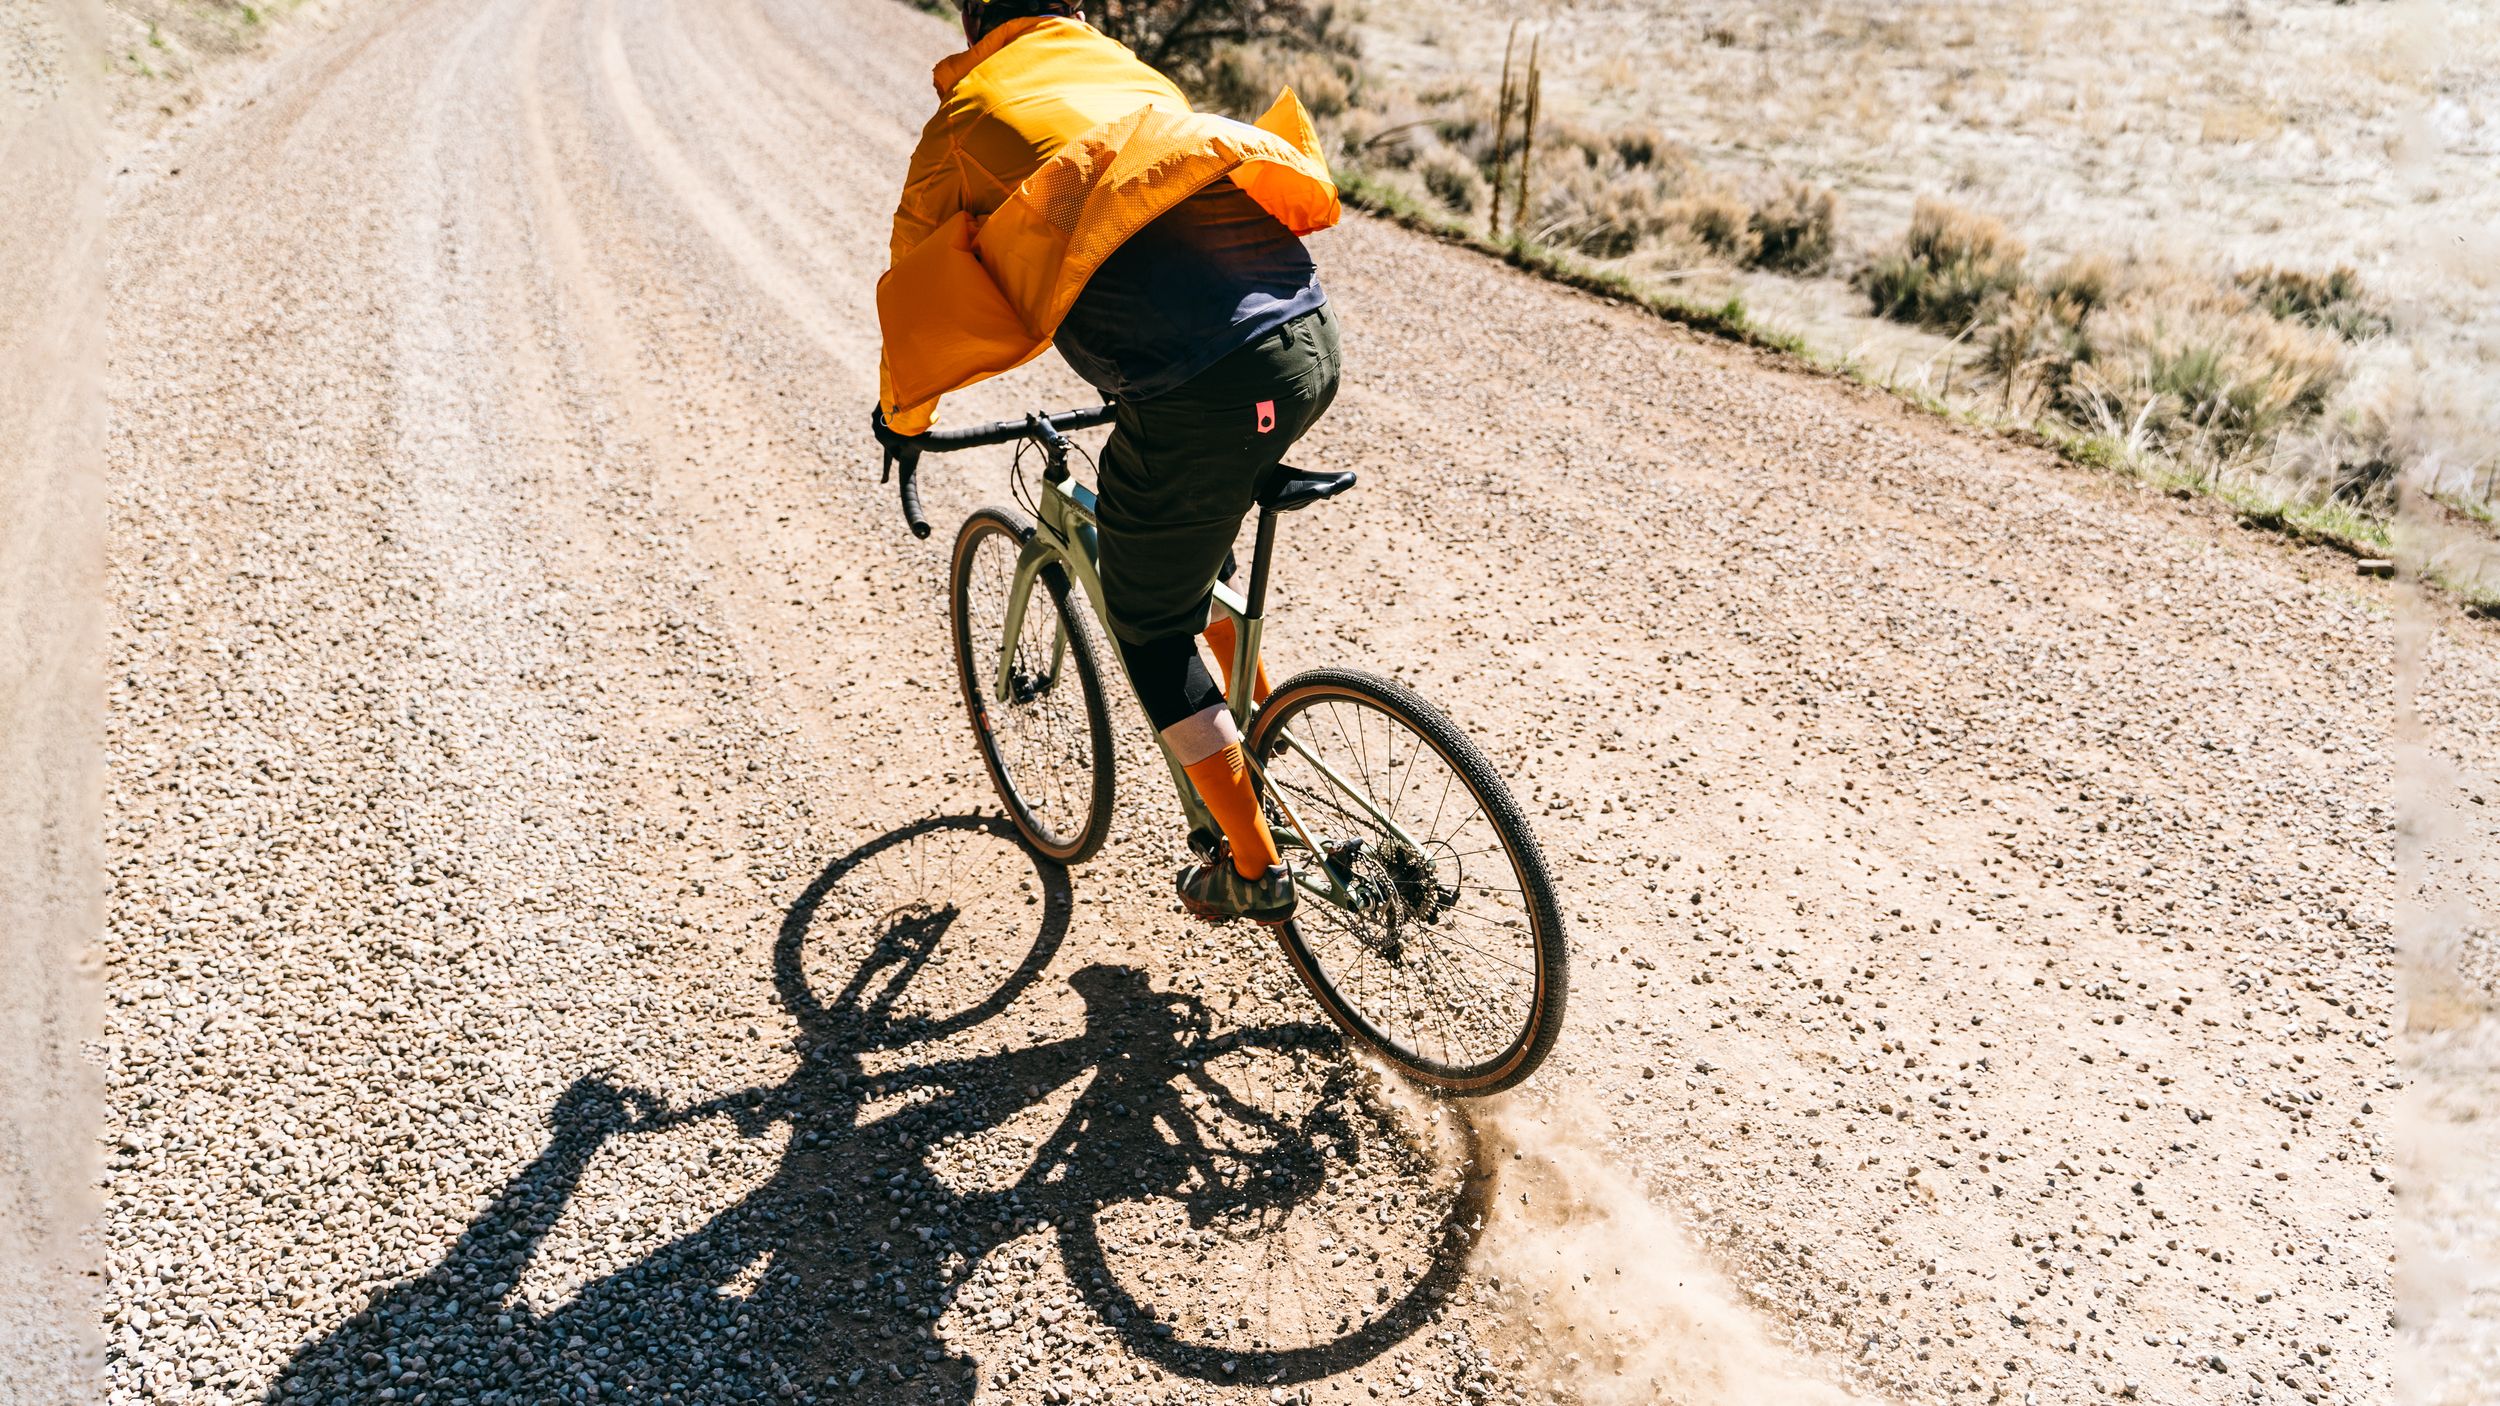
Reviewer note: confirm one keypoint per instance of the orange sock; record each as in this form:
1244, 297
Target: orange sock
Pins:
1223, 782
1222, 636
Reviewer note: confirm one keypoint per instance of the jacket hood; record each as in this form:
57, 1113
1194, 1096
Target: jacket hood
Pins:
951, 69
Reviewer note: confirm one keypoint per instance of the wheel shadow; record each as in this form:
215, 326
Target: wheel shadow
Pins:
924, 1138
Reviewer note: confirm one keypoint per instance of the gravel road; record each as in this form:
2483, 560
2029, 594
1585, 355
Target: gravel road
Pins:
557, 952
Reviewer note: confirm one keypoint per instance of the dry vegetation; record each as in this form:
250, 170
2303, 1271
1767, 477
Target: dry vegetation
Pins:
1624, 193
2244, 246
1952, 269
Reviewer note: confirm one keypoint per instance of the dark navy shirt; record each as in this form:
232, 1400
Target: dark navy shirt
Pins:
1210, 276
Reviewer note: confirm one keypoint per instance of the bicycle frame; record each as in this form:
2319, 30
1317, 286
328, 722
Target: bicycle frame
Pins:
1368, 867
1066, 535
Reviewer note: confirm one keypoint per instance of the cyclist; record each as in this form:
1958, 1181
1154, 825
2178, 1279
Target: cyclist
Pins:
1065, 192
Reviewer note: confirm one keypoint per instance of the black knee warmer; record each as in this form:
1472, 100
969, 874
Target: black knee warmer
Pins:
1171, 678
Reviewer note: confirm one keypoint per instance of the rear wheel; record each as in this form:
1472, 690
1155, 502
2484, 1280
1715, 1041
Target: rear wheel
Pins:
1048, 742
1445, 953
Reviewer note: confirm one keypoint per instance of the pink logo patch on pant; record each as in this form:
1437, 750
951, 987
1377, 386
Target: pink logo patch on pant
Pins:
1267, 416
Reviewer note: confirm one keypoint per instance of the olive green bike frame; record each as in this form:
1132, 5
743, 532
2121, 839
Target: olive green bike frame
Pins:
1067, 537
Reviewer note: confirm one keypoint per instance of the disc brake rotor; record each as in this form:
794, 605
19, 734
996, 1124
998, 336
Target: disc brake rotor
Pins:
1392, 886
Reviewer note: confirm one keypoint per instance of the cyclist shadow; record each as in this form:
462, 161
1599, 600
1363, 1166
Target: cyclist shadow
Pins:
900, 1176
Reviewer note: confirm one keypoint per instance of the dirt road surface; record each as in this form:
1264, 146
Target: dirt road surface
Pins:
556, 951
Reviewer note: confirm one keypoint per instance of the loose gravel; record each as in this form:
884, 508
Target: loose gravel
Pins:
556, 951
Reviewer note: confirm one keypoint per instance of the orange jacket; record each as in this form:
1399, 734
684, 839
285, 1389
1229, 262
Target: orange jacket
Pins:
1052, 144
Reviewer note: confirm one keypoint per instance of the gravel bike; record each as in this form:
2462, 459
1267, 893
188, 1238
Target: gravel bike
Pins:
1428, 929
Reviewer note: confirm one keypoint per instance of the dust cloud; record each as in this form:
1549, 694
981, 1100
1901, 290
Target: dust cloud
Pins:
1610, 1302
2447, 1140
51, 695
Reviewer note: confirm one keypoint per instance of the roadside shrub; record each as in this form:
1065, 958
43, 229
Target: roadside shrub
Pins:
1641, 146
1325, 86
2396, 427
1459, 129
1466, 118
2080, 284
1722, 223
1952, 267
1241, 80
1592, 200
2334, 300
1452, 179
2033, 347
1597, 209
1594, 147
2036, 340
2350, 462
2211, 374
1191, 35
1234, 54
1384, 134
1793, 230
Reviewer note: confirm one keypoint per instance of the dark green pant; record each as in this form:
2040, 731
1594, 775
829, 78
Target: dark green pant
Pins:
1183, 468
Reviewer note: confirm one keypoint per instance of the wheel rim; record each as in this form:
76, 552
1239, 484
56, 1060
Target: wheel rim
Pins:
1041, 736
1441, 964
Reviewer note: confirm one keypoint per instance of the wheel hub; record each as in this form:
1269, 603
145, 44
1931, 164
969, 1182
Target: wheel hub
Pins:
1392, 885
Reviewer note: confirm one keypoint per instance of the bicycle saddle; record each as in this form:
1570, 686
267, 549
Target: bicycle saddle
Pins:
1299, 488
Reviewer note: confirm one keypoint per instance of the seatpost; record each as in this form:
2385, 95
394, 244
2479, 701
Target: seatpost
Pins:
1257, 599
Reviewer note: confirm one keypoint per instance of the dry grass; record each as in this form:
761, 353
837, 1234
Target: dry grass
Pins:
1455, 181
2154, 359
1611, 193
1952, 268
1795, 228
1241, 81
160, 54
2080, 284
2171, 362
2154, 354
1587, 203
2032, 350
2231, 376
2394, 429
2209, 375
2270, 148
2334, 300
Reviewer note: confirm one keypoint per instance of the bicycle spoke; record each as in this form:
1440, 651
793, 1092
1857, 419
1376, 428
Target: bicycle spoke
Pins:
1041, 732
1411, 758
1440, 955
1436, 938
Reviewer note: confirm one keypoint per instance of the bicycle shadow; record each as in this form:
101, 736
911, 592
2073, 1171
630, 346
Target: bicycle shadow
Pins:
877, 1219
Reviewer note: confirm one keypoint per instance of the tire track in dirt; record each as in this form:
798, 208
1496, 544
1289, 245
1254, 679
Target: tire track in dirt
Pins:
785, 285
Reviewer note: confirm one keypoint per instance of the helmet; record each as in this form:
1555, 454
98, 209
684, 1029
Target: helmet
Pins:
981, 16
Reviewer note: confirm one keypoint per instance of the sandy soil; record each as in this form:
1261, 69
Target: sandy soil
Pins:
555, 952
51, 694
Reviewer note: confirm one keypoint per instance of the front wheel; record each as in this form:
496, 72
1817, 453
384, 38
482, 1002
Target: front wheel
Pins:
1047, 740
1427, 927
